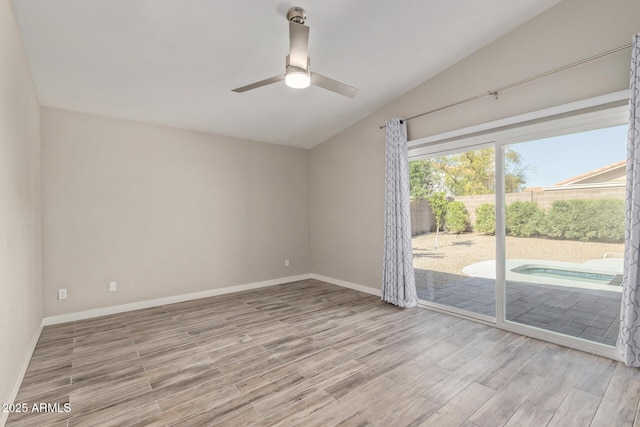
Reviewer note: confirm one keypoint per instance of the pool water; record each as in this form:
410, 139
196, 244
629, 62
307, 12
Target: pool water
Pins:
558, 273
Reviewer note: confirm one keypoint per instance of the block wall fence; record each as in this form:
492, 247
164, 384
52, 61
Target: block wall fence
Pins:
423, 221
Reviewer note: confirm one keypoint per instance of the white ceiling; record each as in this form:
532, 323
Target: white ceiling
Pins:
174, 62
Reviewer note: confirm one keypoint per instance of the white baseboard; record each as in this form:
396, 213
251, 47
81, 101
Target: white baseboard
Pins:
13, 392
105, 311
97, 312
345, 284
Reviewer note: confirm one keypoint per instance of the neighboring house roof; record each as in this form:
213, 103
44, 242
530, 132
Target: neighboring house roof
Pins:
614, 173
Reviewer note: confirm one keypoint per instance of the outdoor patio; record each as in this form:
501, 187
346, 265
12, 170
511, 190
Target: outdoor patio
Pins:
584, 313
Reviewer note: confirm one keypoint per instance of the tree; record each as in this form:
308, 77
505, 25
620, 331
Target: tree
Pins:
438, 202
515, 173
422, 179
473, 172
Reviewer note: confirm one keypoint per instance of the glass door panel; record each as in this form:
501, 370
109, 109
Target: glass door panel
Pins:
564, 221
453, 257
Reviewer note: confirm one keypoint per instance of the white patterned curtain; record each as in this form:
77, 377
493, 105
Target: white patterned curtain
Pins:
398, 279
628, 344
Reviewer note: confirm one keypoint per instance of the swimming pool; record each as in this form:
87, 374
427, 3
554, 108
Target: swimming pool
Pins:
559, 273
611, 269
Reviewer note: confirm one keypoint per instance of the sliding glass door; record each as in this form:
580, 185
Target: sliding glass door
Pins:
454, 263
526, 232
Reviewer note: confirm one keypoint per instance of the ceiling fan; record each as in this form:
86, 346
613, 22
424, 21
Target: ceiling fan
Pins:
297, 72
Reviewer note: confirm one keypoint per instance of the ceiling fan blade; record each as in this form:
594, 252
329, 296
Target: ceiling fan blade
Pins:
259, 84
333, 85
298, 44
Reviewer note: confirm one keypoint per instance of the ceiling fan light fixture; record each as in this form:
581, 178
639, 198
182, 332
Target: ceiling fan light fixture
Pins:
297, 78
297, 73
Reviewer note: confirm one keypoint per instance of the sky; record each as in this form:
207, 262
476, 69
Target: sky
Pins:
555, 159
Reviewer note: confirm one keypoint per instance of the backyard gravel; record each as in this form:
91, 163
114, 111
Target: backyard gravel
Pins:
455, 251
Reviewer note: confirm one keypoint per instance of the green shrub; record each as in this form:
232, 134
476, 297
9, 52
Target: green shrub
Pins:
486, 219
457, 217
562, 218
610, 219
524, 219
586, 220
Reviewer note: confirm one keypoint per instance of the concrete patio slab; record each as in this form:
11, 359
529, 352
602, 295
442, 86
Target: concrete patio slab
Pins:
584, 313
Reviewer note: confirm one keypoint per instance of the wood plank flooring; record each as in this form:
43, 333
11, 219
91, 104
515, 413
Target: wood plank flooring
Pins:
314, 354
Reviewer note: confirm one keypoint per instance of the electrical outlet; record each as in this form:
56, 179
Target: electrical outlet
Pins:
286, 263
62, 294
113, 286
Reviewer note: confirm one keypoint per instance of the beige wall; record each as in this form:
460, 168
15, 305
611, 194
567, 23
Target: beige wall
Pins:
347, 171
20, 273
163, 211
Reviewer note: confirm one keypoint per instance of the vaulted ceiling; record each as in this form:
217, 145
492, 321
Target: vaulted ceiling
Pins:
174, 62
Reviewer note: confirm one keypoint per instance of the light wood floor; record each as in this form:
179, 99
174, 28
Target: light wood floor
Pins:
313, 354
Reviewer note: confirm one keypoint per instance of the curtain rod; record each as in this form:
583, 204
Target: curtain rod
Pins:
495, 92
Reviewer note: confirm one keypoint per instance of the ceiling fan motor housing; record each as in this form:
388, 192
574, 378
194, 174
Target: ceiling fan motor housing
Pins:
293, 68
